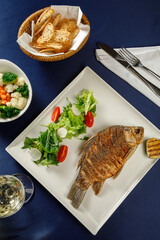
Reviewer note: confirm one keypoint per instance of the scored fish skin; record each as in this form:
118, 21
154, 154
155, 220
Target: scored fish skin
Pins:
103, 156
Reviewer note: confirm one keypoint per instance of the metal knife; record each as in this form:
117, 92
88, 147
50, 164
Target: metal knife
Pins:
122, 61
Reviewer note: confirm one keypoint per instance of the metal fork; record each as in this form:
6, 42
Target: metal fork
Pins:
134, 61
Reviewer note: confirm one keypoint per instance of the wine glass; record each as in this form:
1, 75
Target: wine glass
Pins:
15, 190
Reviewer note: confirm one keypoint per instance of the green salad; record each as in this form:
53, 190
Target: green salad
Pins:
71, 122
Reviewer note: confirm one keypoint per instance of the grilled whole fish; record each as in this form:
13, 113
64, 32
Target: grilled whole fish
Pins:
103, 156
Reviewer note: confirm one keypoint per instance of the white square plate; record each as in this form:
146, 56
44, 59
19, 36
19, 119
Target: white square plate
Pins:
112, 109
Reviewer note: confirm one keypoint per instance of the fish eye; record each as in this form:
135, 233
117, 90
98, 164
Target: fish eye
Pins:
137, 131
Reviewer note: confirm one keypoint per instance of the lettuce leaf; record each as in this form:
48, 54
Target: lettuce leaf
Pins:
86, 102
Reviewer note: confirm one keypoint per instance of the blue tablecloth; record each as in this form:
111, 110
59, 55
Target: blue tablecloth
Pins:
129, 23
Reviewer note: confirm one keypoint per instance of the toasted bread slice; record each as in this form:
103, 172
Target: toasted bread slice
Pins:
62, 24
54, 50
47, 33
61, 36
153, 148
56, 47
75, 32
67, 24
56, 19
67, 45
43, 17
71, 25
34, 45
42, 27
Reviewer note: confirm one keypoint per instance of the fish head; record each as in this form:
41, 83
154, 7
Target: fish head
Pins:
134, 135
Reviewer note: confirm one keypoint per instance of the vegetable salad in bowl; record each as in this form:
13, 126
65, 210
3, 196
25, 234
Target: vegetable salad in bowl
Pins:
15, 92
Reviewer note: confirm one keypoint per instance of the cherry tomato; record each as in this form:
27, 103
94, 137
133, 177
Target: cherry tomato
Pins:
89, 119
55, 114
62, 154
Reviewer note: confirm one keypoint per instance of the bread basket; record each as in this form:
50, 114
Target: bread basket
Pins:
26, 27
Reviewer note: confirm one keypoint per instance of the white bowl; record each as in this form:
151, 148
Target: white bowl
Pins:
7, 66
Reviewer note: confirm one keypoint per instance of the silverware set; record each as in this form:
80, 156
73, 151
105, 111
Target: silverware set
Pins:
134, 61
129, 61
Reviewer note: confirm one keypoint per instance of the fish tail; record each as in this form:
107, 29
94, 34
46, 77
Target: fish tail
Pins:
76, 194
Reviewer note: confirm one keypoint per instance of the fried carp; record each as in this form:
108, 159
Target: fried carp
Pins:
103, 156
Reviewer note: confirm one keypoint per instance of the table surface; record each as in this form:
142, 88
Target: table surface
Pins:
129, 23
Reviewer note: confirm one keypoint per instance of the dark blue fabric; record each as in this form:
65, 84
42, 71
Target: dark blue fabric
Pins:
129, 23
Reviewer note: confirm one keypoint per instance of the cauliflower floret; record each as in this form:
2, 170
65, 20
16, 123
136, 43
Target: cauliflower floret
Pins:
14, 102
8, 104
1, 81
20, 82
10, 87
21, 103
16, 95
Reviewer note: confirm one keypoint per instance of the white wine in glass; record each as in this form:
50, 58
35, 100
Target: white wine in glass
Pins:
15, 190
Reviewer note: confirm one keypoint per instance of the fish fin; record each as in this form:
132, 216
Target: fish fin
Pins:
130, 153
86, 144
79, 163
76, 194
84, 148
88, 141
117, 173
97, 186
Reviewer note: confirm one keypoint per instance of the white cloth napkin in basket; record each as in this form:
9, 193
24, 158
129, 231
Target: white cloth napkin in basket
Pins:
149, 56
